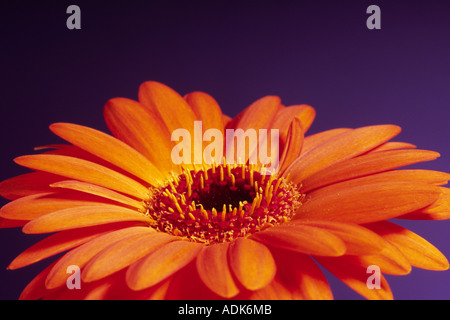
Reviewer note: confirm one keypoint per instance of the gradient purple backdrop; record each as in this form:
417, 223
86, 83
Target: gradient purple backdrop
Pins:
315, 52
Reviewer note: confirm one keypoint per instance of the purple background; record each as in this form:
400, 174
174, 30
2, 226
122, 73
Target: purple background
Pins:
314, 52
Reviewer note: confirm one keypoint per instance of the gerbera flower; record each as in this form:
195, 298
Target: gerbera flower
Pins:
139, 226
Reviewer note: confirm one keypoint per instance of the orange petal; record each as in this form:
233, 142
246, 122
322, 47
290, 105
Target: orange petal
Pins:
364, 165
258, 115
213, 269
57, 243
183, 282
293, 145
252, 263
83, 170
302, 277
34, 206
7, 223
355, 275
161, 264
418, 251
276, 290
81, 255
302, 238
439, 210
303, 113
316, 139
367, 202
390, 260
173, 109
206, 109
27, 184
226, 120
110, 149
80, 217
98, 191
36, 289
123, 253
142, 129
392, 145
358, 240
341, 147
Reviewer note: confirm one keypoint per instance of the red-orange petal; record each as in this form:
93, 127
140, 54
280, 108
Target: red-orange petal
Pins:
393, 145
252, 263
303, 113
344, 146
7, 223
173, 109
390, 260
367, 202
358, 239
58, 243
316, 139
36, 289
110, 149
34, 206
439, 210
83, 170
93, 189
214, 270
123, 253
302, 238
364, 165
258, 115
182, 283
276, 290
27, 184
206, 110
80, 217
355, 275
302, 276
142, 129
292, 147
161, 264
418, 251
81, 255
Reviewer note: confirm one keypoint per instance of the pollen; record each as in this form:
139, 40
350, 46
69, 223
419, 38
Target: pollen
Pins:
221, 203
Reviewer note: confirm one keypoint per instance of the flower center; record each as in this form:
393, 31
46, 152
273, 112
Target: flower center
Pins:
222, 203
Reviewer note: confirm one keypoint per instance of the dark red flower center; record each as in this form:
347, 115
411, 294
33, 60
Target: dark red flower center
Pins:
222, 203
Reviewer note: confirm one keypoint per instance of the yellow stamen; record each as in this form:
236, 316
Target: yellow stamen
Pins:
233, 180
205, 172
277, 185
172, 187
177, 205
221, 173
183, 199
270, 195
224, 212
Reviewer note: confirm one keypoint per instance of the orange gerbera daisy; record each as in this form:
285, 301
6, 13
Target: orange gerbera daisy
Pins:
140, 227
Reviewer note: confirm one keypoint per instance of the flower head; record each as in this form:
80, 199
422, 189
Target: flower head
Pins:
139, 225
